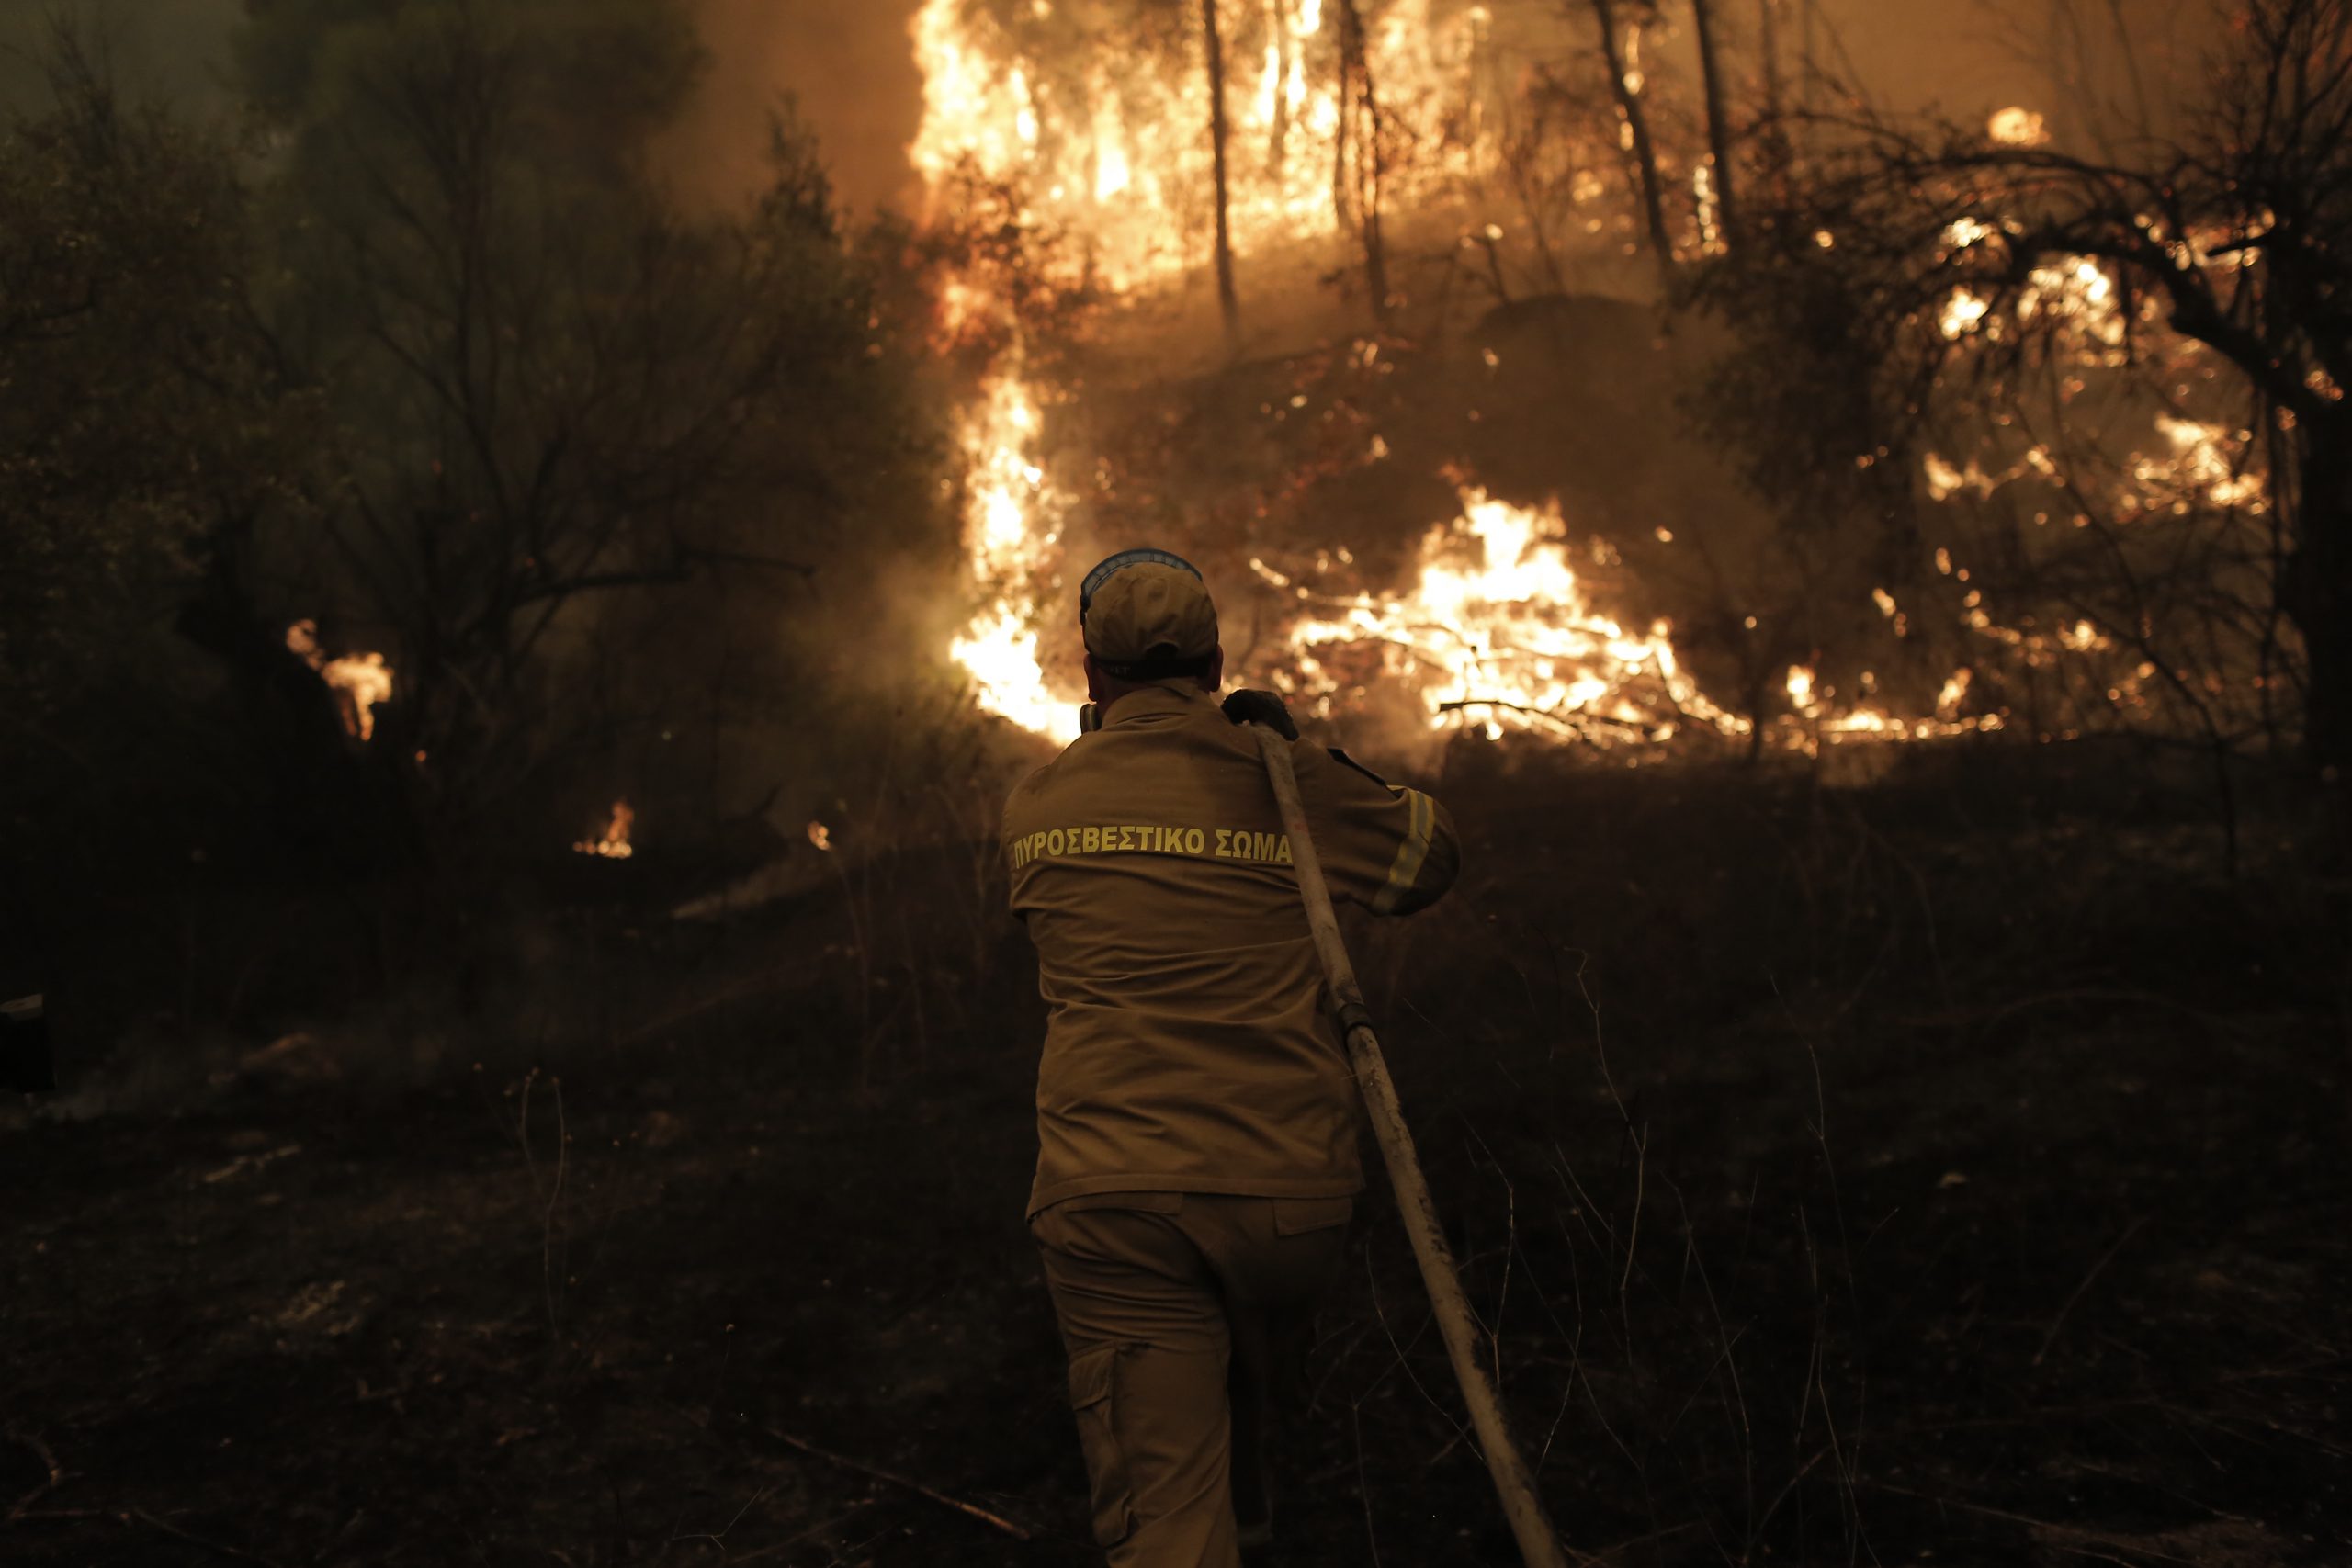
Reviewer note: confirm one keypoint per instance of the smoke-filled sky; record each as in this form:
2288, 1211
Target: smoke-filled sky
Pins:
851, 66
849, 62
176, 47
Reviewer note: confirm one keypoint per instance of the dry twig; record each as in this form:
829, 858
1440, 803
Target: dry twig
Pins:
2106, 1258
970, 1510
129, 1517
2050, 1527
53, 1473
219, 1547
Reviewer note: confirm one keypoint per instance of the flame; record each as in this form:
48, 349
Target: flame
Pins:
613, 844
1964, 313
1000, 654
821, 836
363, 680
1800, 683
359, 681
1965, 231
2018, 127
1703, 191
2079, 293
2202, 460
1008, 534
1118, 158
2084, 637
1121, 157
1498, 631
2074, 293
1107, 145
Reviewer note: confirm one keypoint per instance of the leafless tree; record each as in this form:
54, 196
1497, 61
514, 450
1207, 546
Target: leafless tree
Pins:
1719, 134
1642, 150
2242, 230
1360, 167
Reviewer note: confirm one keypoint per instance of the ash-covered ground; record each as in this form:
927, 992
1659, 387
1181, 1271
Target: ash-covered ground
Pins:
1948, 1170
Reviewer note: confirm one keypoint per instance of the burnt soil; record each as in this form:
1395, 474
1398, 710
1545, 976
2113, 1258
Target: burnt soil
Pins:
1946, 1170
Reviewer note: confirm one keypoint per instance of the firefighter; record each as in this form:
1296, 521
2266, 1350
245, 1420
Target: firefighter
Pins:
1196, 1116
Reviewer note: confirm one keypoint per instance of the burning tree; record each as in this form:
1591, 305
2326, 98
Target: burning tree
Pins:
1357, 133
2071, 320
1116, 117
2007, 496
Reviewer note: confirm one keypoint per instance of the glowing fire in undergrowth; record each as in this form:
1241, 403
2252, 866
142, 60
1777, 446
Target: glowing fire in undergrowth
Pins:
1498, 631
359, 681
613, 844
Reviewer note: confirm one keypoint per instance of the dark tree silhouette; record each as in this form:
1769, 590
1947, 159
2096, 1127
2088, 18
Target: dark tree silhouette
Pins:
2239, 226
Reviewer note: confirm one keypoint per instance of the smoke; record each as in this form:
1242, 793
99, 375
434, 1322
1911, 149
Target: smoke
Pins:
177, 50
851, 70
2096, 68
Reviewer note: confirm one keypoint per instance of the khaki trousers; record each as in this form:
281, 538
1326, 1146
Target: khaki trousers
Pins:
1182, 1311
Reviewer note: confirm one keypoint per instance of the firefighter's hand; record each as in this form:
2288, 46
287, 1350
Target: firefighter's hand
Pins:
1262, 708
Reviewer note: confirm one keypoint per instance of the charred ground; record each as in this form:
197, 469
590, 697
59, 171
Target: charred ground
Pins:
1946, 1169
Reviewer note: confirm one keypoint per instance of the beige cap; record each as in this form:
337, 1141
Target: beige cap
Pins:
1146, 616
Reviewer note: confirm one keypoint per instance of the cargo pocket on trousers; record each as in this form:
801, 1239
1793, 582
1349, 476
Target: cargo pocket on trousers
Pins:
1093, 1380
1297, 1217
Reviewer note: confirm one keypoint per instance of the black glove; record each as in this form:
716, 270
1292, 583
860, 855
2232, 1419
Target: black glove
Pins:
1262, 708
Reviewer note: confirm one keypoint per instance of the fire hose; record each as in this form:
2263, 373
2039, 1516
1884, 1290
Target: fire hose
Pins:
1514, 1483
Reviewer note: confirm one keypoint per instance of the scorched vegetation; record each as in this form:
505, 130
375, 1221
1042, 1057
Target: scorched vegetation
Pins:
511, 653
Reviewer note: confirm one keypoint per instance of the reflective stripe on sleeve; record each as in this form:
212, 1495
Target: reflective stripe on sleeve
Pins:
1423, 822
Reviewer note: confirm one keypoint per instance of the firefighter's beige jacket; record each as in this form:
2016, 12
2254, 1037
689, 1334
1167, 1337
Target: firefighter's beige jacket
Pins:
1190, 1045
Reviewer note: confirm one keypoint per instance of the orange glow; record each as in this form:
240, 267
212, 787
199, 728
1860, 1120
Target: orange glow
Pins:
614, 843
1497, 631
1125, 163
1010, 537
1488, 626
2018, 126
359, 681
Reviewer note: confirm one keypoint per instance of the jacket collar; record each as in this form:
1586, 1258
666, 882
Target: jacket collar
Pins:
1155, 701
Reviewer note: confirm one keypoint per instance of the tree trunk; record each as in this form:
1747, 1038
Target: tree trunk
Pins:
1285, 53
1357, 95
1645, 152
1777, 155
1343, 209
2316, 591
1808, 53
1228, 301
1718, 127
